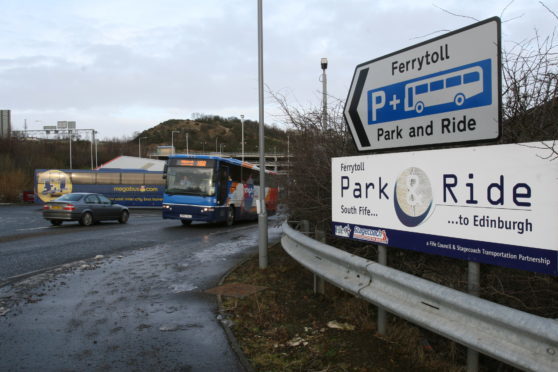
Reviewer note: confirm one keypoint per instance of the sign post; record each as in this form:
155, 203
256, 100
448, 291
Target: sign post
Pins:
445, 90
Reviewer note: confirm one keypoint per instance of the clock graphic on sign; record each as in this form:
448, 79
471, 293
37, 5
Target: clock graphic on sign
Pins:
413, 197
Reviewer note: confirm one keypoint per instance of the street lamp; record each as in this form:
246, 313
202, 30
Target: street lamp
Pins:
324, 85
139, 146
172, 139
242, 123
187, 152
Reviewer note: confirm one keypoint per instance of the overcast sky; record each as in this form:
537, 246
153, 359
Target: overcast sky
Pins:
121, 66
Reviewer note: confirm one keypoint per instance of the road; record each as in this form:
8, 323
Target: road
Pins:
140, 307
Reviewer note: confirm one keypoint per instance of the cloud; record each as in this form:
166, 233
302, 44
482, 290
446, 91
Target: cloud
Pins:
136, 63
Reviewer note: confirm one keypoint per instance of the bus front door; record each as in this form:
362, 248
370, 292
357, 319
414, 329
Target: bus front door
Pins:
224, 185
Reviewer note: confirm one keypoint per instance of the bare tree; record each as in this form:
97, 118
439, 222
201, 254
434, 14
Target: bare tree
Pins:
314, 142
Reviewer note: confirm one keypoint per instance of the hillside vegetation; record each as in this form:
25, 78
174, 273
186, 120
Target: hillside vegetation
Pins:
209, 133
19, 157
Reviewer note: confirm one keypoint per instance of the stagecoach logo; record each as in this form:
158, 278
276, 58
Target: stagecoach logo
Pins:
413, 197
371, 235
344, 231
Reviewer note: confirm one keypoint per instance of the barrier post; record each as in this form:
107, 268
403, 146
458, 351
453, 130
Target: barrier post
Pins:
473, 287
319, 284
382, 260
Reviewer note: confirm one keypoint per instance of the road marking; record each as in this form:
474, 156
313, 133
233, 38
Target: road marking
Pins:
34, 228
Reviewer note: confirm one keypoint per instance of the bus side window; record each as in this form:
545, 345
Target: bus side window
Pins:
423, 88
235, 173
453, 81
471, 77
436, 85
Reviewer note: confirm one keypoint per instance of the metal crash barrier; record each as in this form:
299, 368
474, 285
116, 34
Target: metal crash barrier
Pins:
514, 337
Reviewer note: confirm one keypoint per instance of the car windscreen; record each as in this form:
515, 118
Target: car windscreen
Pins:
69, 197
190, 180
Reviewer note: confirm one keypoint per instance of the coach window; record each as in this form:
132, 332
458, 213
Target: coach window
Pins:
132, 178
83, 178
109, 178
154, 179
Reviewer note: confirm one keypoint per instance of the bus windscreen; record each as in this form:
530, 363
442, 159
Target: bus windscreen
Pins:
190, 180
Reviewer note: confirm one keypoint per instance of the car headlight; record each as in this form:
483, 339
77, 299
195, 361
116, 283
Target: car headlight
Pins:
207, 209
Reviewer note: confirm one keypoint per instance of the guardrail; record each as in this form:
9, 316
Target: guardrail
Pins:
514, 337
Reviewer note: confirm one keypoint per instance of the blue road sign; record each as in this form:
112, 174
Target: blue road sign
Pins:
454, 89
441, 91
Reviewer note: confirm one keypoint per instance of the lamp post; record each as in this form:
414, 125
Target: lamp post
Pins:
262, 216
242, 123
139, 146
324, 89
203, 146
187, 152
96, 140
70, 138
172, 139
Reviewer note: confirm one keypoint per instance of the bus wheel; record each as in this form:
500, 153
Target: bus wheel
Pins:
230, 216
186, 222
459, 99
419, 107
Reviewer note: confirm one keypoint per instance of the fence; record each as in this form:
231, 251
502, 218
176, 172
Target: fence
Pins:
517, 338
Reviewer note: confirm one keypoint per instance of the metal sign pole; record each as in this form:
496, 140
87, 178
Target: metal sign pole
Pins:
473, 287
262, 217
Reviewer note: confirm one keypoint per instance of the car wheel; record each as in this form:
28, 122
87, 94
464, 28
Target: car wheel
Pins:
56, 222
230, 217
124, 217
186, 222
86, 219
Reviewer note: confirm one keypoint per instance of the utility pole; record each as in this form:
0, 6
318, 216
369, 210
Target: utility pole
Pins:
262, 217
70, 137
172, 140
324, 90
242, 123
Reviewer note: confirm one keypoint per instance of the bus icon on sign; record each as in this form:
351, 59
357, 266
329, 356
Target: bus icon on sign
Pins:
455, 89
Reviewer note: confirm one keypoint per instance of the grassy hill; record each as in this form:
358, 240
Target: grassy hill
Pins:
209, 133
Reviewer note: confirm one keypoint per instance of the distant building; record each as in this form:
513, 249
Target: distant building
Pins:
5, 124
131, 162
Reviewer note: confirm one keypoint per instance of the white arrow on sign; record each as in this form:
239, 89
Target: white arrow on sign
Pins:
444, 90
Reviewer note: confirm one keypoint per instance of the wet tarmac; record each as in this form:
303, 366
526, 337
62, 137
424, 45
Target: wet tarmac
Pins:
140, 310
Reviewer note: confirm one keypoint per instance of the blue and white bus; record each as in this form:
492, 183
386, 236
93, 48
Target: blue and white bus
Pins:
456, 87
214, 189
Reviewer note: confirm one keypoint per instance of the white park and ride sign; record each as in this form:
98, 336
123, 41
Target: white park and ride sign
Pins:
489, 204
445, 90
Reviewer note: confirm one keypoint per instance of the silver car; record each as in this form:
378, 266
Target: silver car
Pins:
87, 208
